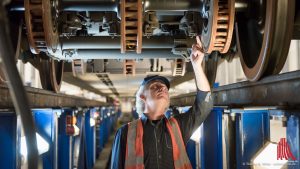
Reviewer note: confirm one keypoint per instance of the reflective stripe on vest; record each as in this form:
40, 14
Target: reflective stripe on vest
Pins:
134, 147
181, 160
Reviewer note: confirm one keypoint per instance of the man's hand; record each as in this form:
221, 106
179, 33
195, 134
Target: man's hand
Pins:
197, 54
197, 57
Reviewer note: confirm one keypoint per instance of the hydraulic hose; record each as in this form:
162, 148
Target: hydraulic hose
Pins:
16, 89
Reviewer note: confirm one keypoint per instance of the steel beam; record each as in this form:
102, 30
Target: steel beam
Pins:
173, 5
116, 54
181, 79
69, 78
112, 5
90, 5
39, 98
278, 90
76, 5
106, 42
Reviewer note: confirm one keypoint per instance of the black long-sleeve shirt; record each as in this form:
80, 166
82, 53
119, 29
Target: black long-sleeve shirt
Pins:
157, 142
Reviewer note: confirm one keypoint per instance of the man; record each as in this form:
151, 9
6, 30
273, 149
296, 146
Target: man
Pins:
153, 141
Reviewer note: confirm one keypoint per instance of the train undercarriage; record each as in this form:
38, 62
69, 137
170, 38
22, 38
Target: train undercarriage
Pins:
52, 33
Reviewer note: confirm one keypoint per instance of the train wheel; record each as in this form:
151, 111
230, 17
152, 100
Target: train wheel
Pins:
41, 22
51, 73
210, 67
218, 23
131, 26
264, 32
41, 18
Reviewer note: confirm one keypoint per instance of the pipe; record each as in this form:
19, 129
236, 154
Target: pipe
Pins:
16, 6
241, 5
75, 5
106, 42
116, 54
91, 5
17, 91
173, 5
161, 7
112, 5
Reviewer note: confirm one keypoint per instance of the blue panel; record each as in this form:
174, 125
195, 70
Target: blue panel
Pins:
45, 121
106, 127
106, 131
79, 143
211, 141
191, 151
293, 133
93, 135
101, 131
168, 114
252, 132
64, 141
8, 125
89, 136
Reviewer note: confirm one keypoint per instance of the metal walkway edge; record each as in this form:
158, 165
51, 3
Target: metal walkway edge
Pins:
278, 90
101, 162
39, 98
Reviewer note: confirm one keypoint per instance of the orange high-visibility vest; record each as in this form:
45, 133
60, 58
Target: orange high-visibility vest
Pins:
134, 149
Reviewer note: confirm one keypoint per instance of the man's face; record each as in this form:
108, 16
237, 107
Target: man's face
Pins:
155, 93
